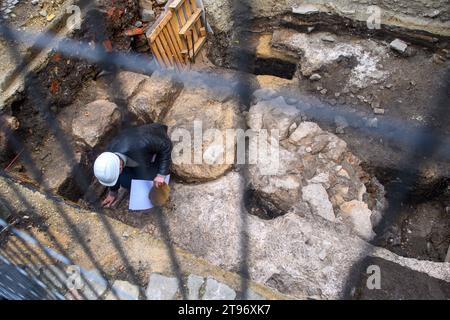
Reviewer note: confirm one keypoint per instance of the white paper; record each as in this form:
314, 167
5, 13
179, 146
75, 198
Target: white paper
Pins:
140, 189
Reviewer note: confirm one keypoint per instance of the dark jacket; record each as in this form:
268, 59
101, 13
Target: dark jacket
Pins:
141, 143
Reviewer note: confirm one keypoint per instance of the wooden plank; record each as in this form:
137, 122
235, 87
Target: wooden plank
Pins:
162, 52
164, 60
155, 52
175, 28
195, 31
187, 42
189, 12
191, 36
175, 5
167, 50
198, 45
181, 16
160, 26
193, 5
171, 54
172, 38
157, 55
192, 10
192, 20
203, 32
199, 23
187, 9
183, 39
173, 50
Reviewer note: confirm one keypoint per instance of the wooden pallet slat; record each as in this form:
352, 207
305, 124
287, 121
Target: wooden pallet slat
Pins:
174, 27
173, 42
198, 45
181, 15
193, 4
199, 23
176, 4
170, 54
162, 52
192, 20
158, 56
162, 24
189, 13
172, 48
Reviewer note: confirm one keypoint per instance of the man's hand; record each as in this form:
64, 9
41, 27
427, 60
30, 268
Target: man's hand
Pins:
159, 181
107, 203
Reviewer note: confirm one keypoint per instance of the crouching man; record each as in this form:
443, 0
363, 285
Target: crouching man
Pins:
141, 153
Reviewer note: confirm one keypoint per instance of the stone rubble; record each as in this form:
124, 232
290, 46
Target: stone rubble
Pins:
123, 290
316, 196
314, 54
399, 46
161, 287
7, 9
95, 122
314, 165
305, 9
194, 284
94, 285
215, 290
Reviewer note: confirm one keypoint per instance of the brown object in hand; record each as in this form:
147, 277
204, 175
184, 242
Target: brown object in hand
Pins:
160, 196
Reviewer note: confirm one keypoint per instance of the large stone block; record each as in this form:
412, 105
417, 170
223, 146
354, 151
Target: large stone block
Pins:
198, 126
154, 98
95, 122
161, 287
123, 290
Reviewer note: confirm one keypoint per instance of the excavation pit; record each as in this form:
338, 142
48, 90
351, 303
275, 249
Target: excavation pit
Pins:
365, 78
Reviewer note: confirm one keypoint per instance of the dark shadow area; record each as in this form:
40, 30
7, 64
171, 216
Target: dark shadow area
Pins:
398, 283
274, 67
426, 145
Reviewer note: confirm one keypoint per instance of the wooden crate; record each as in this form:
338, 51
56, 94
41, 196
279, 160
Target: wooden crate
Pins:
178, 37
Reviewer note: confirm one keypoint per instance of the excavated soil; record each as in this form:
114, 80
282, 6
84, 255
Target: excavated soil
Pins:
411, 92
60, 81
408, 93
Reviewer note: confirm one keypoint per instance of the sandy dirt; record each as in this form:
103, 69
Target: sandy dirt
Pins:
91, 239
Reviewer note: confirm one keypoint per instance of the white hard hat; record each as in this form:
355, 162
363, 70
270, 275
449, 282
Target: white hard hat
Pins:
107, 168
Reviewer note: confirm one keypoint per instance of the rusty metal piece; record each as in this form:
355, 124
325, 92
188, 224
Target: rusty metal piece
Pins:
134, 32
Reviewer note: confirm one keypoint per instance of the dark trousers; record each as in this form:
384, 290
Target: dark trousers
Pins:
137, 173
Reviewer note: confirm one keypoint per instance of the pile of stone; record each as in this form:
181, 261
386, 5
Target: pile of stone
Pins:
6, 10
